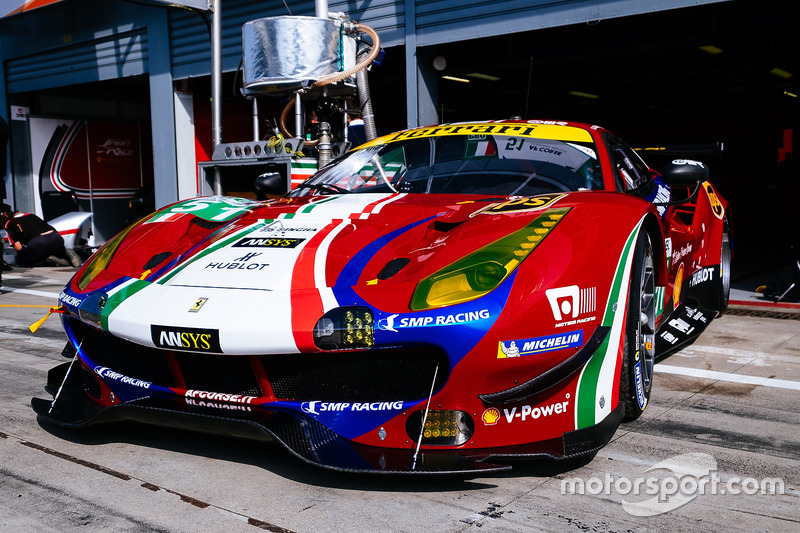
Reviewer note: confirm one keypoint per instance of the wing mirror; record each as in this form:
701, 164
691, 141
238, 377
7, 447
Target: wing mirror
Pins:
270, 183
684, 173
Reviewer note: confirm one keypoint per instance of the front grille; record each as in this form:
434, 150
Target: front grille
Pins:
363, 376
218, 373
360, 376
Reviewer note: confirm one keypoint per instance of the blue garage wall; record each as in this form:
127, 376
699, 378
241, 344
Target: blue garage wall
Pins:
118, 55
71, 43
442, 21
74, 43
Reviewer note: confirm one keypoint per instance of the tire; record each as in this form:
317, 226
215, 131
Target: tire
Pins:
638, 357
724, 285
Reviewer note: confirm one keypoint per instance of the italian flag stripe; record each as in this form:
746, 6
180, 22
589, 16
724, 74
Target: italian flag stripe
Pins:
598, 377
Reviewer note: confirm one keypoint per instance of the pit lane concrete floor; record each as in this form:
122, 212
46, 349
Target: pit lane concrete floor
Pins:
726, 408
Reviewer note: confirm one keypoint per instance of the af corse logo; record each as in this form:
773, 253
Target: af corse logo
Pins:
188, 339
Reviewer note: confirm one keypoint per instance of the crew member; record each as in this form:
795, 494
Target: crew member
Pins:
36, 241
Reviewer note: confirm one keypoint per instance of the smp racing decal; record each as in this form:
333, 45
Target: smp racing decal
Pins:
316, 407
105, 372
393, 322
522, 204
549, 343
186, 339
68, 299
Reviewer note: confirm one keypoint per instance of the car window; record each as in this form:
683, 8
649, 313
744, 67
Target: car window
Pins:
631, 174
463, 164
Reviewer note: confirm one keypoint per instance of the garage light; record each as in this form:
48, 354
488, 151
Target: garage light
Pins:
710, 49
780, 73
584, 95
453, 78
479, 76
787, 93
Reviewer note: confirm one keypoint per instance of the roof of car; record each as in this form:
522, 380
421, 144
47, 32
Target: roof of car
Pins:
539, 129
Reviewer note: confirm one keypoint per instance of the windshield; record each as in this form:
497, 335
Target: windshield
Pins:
462, 164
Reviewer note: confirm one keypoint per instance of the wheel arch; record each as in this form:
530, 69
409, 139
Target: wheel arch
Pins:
652, 226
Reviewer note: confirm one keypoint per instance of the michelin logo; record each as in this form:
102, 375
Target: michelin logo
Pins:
550, 343
391, 323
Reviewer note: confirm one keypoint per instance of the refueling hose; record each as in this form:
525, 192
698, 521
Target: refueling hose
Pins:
333, 78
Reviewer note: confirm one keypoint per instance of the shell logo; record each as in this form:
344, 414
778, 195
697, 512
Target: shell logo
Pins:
676, 295
491, 416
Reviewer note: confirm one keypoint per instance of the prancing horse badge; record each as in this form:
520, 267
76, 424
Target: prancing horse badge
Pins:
197, 305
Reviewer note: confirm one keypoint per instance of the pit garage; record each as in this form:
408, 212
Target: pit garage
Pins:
719, 80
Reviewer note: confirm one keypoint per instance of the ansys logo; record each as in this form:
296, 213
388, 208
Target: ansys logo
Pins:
188, 339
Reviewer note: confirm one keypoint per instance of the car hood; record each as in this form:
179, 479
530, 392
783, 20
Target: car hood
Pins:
277, 268
300, 244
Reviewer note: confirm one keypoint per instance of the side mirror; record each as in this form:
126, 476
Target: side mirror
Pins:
270, 183
684, 173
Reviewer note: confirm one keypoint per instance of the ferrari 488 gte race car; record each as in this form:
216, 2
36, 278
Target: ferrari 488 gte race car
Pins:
440, 299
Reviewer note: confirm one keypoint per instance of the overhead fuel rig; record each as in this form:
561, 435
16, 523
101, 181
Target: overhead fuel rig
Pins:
319, 64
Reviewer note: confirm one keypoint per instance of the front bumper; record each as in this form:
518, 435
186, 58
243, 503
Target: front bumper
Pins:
305, 437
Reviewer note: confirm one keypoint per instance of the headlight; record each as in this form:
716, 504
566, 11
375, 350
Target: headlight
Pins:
478, 273
91, 309
345, 328
442, 427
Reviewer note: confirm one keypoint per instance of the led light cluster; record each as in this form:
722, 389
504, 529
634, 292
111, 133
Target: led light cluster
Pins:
358, 328
481, 271
345, 328
442, 427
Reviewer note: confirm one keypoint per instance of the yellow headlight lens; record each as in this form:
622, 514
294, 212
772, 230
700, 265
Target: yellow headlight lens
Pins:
481, 271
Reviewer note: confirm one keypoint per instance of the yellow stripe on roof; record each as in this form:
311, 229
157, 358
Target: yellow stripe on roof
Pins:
534, 131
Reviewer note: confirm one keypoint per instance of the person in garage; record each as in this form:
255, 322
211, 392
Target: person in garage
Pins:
35, 241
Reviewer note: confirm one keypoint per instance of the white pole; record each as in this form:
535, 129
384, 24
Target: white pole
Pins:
216, 84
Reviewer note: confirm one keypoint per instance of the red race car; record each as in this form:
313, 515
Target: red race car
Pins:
441, 299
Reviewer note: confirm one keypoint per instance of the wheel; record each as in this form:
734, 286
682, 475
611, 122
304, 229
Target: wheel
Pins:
725, 268
638, 357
